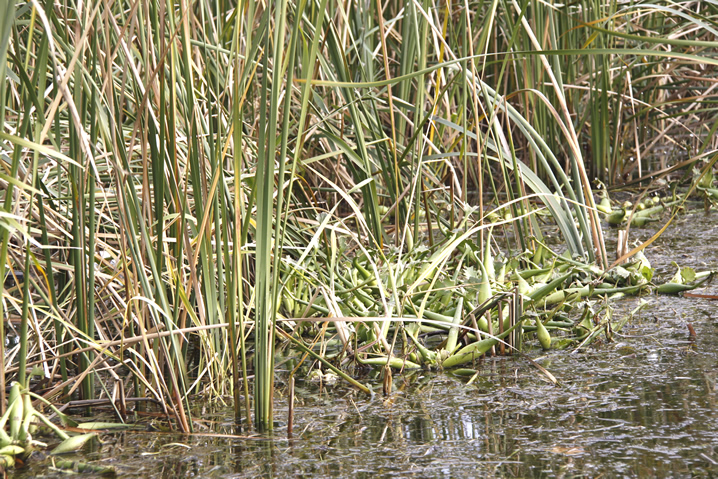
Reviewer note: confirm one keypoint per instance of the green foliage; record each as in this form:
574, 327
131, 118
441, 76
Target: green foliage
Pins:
182, 180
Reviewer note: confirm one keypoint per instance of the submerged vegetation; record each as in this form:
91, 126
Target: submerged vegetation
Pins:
191, 189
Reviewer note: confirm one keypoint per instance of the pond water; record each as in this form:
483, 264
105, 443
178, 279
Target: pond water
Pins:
644, 405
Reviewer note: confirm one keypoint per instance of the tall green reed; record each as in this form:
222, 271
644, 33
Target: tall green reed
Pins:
7, 8
190, 173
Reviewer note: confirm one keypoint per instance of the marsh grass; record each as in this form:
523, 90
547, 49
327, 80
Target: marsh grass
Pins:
178, 176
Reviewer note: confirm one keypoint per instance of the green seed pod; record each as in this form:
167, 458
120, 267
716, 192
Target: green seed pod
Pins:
673, 288
73, 443
616, 217
653, 210
394, 362
363, 272
7, 462
524, 287
605, 205
475, 350
543, 335
483, 324
641, 220
501, 274
12, 450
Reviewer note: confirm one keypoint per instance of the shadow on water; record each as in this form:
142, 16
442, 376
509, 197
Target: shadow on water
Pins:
644, 405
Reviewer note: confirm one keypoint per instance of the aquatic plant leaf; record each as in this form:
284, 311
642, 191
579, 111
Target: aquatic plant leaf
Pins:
688, 274
646, 272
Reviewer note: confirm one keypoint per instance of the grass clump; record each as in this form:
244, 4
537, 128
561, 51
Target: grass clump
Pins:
186, 186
